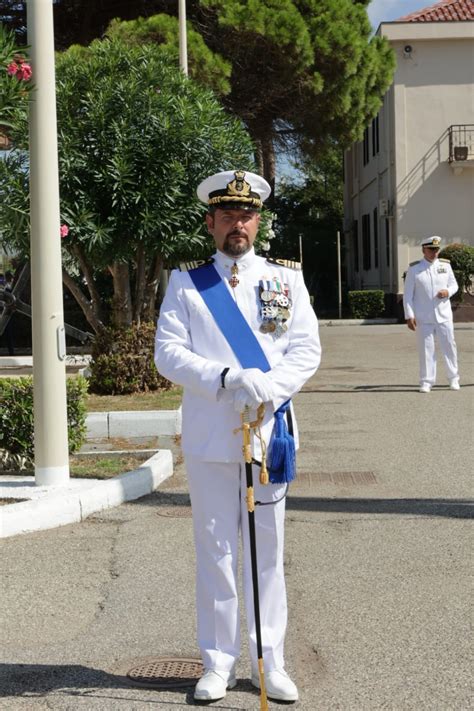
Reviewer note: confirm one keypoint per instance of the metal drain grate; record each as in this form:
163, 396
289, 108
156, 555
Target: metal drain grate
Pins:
312, 479
165, 672
175, 511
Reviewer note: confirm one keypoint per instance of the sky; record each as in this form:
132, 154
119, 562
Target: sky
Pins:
387, 10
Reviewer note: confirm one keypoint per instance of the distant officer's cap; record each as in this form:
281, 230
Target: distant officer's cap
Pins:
234, 189
432, 242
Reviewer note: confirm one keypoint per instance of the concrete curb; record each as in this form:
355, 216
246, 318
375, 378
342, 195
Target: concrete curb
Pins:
27, 361
142, 423
57, 506
357, 321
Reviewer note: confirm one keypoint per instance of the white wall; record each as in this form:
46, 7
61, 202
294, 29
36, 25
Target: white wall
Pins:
433, 90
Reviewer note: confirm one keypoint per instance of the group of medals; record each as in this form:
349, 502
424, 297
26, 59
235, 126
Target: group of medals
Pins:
275, 304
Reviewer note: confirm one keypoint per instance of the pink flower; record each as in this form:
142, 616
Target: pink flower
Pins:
64, 231
24, 72
20, 69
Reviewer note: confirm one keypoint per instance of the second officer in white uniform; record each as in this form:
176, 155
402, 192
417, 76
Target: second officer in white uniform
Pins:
429, 284
191, 350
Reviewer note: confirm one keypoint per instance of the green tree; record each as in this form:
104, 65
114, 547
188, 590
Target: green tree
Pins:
310, 212
15, 79
206, 67
304, 72
135, 137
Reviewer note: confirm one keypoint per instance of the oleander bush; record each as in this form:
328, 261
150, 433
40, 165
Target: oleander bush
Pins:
16, 419
461, 257
122, 361
366, 304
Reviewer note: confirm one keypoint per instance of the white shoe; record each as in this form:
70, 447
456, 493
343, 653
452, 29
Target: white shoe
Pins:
214, 684
278, 685
425, 388
454, 384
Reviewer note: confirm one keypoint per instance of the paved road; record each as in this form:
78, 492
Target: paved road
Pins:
377, 558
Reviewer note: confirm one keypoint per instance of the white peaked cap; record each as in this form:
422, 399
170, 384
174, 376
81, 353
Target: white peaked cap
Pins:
233, 189
434, 241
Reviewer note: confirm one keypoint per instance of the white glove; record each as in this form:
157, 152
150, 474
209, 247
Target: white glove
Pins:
242, 400
254, 381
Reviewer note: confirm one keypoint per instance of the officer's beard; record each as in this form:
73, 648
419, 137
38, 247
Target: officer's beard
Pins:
233, 248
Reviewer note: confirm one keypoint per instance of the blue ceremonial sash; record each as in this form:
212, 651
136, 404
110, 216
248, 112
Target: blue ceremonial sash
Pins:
250, 354
229, 318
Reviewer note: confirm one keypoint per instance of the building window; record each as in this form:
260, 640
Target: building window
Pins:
366, 256
375, 136
355, 241
376, 238
387, 242
366, 147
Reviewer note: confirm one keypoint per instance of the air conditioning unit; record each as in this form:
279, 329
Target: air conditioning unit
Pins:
384, 208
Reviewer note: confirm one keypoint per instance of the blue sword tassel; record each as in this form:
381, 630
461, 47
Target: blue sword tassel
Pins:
282, 454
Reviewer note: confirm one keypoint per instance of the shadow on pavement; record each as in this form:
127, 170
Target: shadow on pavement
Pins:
447, 508
375, 388
75, 680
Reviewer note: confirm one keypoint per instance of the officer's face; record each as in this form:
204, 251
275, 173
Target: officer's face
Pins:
234, 231
430, 253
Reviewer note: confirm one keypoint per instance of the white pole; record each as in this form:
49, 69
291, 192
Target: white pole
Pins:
183, 42
339, 285
49, 372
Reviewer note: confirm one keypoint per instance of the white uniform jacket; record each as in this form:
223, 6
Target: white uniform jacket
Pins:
190, 350
423, 281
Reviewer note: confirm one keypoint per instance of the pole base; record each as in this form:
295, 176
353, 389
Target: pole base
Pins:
52, 476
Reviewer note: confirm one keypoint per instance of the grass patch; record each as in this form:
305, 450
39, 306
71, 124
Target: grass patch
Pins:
158, 400
5, 502
103, 467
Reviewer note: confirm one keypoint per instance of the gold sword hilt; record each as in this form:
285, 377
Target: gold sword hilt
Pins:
246, 427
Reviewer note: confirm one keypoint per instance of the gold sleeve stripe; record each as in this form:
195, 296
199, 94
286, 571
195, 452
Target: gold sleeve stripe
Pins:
187, 266
289, 263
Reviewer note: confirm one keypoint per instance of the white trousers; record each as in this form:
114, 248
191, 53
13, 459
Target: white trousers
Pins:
218, 499
426, 350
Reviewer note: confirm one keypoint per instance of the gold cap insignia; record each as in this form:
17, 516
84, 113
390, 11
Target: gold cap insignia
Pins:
239, 185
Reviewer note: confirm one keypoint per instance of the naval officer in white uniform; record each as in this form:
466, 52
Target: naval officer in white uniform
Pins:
192, 351
429, 284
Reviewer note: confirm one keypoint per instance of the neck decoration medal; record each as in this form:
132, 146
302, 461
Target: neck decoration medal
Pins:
275, 304
234, 270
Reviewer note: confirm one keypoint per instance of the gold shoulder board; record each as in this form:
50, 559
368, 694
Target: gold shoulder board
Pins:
412, 264
290, 264
441, 259
187, 266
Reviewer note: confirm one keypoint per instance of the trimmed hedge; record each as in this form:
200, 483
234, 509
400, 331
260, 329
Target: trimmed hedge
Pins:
16, 419
122, 361
366, 304
461, 257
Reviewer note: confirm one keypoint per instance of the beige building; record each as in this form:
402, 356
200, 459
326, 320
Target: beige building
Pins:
412, 176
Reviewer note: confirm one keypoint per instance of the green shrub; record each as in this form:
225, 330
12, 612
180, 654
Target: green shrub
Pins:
366, 304
122, 361
16, 417
461, 257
